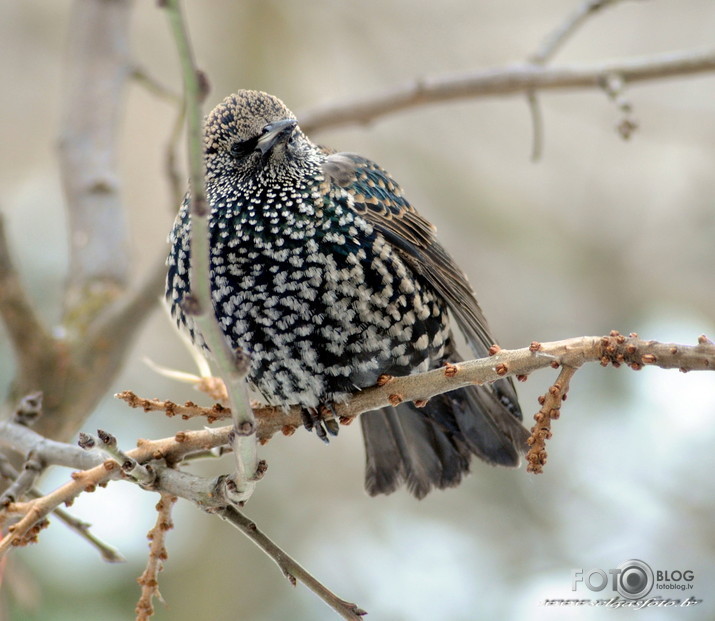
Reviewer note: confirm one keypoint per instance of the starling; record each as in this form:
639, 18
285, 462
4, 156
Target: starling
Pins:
322, 270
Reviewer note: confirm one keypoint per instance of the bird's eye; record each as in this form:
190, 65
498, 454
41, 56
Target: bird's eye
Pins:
243, 148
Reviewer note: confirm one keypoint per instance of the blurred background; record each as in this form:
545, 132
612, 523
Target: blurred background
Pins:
600, 234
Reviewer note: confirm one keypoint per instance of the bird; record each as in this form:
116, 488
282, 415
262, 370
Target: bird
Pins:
329, 278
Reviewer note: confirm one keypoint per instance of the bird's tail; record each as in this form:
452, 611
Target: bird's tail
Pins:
432, 446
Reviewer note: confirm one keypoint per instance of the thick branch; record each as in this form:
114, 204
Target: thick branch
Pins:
23, 440
101, 317
30, 339
61, 367
510, 80
97, 69
114, 329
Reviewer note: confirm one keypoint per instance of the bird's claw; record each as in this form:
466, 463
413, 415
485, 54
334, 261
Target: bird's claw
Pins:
322, 420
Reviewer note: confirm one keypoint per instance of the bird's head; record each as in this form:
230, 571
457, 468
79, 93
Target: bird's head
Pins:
251, 133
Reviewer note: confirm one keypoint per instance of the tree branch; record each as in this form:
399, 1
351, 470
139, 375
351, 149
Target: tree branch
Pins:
550, 410
556, 39
98, 66
510, 80
291, 568
615, 349
109, 553
30, 339
232, 367
149, 580
211, 494
204, 492
97, 69
114, 329
551, 44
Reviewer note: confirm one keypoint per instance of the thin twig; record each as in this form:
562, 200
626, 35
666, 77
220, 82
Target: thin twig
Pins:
25, 479
556, 39
149, 580
151, 84
550, 410
176, 179
154, 86
510, 80
290, 567
537, 126
546, 51
232, 367
109, 553
186, 411
131, 468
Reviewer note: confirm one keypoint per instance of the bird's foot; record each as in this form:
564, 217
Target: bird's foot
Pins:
322, 420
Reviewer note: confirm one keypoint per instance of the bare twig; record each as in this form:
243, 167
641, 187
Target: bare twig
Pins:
550, 410
290, 568
131, 468
173, 174
93, 471
509, 80
537, 126
232, 366
186, 411
25, 479
23, 440
151, 84
154, 86
556, 39
109, 553
613, 349
546, 51
149, 580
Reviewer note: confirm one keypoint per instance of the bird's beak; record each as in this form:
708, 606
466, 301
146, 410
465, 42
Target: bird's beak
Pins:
274, 132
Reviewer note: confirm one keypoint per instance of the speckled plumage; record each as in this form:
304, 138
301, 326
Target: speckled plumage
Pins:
329, 278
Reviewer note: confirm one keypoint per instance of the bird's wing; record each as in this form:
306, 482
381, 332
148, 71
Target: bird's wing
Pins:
378, 198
